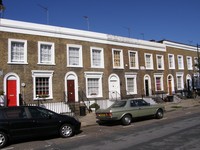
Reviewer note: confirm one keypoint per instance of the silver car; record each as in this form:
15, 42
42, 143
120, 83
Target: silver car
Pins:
126, 110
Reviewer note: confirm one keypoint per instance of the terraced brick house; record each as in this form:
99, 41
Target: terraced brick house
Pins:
51, 64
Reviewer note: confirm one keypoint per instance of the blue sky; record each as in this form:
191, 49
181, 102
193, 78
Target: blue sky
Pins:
175, 20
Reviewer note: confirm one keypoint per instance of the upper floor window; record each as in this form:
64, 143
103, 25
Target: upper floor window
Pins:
74, 55
180, 62
189, 63
133, 59
42, 84
149, 61
171, 61
160, 62
97, 57
46, 53
17, 51
93, 84
117, 58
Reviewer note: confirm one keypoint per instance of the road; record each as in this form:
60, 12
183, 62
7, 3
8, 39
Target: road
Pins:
177, 130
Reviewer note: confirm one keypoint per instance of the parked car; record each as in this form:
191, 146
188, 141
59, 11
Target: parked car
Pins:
33, 121
126, 110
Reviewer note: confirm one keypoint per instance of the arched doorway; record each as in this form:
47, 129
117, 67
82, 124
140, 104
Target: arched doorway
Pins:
71, 87
170, 84
12, 88
114, 87
189, 83
147, 85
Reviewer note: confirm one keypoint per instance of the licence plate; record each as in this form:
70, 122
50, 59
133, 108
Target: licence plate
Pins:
102, 115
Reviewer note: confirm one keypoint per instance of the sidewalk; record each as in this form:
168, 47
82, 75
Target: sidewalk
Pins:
90, 118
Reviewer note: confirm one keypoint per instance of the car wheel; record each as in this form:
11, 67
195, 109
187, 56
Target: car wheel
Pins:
126, 120
66, 130
159, 114
3, 139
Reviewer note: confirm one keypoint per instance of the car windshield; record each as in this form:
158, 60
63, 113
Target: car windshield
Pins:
119, 104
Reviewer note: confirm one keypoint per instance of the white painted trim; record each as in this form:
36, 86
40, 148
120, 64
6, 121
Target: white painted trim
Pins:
121, 59
74, 34
136, 59
9, 51
52, 53
43, 73
101, 55
180, 46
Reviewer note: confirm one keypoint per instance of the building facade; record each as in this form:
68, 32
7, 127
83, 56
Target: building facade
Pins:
60, 64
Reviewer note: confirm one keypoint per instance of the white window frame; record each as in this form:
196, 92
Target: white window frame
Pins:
101, 65
151, 61
161, 82
10, 61
134, 77
180, 62
52, 62
136, 59
189, 63
80, 55
173, 61
94, 75
42, 73
162, 62
179, 74
121, 66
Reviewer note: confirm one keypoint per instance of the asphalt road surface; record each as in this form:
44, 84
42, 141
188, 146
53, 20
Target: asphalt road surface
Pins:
177, 130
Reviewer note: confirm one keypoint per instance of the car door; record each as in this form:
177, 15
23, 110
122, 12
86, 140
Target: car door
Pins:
144, 108
47, 122
19, 122
134, 108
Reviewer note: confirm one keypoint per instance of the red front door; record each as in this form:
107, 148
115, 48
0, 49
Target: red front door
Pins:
70, 91
11, 93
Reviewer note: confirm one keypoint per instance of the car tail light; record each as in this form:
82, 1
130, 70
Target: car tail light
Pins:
109, 114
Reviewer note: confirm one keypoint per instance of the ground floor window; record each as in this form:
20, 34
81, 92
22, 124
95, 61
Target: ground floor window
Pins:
158, 82
131, 84
42, 84
93, 84
179, 80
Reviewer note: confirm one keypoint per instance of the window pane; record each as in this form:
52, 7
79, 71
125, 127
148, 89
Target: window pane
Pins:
179, 82
130, 84
159, 59
158, 83
17, 52
170, 61
42, 86
45, 52
96, 57
148, 61
116, 58
133, 59
93, 86
74, 56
